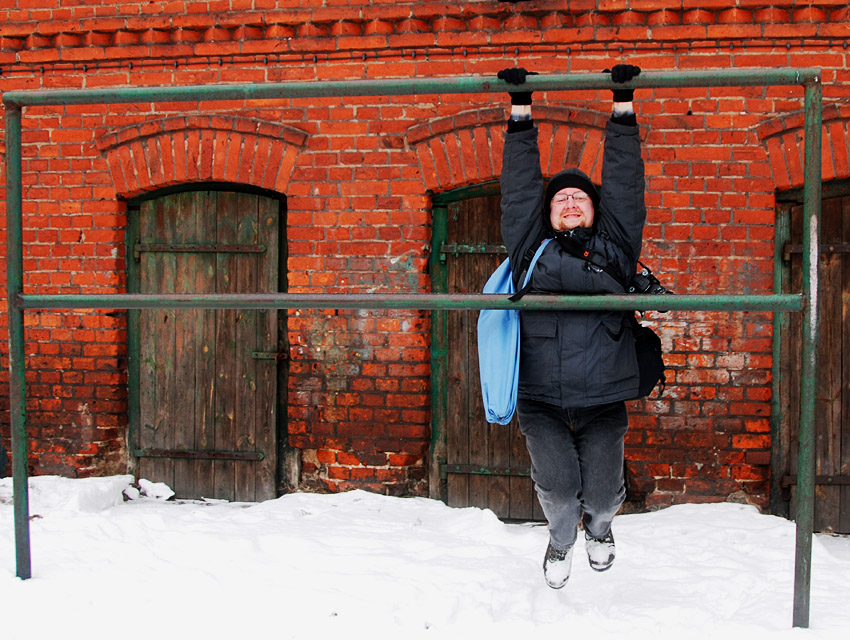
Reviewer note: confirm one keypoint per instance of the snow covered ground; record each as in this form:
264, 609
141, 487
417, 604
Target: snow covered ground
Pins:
367, 566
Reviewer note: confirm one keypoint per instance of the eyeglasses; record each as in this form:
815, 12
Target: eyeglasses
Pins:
578, 198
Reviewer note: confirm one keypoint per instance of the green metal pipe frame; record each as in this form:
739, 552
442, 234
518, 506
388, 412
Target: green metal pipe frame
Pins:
806, 465
806, 302
17, 386
780, 302
405, 86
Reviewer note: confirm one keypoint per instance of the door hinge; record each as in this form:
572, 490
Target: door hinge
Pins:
484, 470
479, 248
829, 247
791, 480
270, 355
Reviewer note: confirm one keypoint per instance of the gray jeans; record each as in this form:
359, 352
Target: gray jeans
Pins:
576, 465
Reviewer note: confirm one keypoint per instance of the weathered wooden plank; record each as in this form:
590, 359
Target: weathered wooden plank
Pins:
457, 434
246, 330
183, 416
269, 338
165, 329
227, 369
162, 334
203, 204
477, 227
147, 345
828, 422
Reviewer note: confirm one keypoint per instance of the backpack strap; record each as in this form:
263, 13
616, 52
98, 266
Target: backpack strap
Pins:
527, 283
572, 246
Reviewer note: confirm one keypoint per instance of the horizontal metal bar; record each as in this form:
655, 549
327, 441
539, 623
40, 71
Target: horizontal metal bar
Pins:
473, 248
408, 86
484, 470
778, 302
791, 480
251, 456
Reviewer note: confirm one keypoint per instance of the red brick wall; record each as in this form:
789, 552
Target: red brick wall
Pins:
357, 173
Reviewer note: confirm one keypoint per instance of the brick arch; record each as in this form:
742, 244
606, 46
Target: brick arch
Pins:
201, 148
784, 138
467, 148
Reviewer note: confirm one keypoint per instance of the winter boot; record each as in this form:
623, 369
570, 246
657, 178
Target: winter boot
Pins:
557, 565
600, 551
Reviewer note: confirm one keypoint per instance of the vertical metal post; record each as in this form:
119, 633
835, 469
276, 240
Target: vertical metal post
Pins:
808, 392
17, 384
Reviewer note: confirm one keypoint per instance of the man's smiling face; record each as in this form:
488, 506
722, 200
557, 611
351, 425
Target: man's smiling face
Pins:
570, 208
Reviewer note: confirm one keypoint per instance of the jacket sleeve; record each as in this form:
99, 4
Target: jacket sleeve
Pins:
622, 206
522, 195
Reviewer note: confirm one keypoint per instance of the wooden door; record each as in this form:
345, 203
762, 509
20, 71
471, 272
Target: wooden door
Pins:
832, 494
487, 464
208, 378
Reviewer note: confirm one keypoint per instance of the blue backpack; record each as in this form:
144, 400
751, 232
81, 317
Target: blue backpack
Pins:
498, 345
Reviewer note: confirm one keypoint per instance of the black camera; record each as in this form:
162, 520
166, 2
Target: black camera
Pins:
646, 282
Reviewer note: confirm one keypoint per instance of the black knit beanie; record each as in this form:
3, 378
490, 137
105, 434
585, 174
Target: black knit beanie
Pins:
570, 178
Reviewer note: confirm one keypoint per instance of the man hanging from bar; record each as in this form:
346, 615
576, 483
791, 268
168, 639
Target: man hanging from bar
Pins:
577, 368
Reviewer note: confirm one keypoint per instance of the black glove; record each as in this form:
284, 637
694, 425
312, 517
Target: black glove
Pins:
623, 73
517, 76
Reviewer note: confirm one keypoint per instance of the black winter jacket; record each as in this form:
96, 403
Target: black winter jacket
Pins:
576, 358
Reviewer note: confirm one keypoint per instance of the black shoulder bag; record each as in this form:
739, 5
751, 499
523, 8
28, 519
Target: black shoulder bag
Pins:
647, 343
